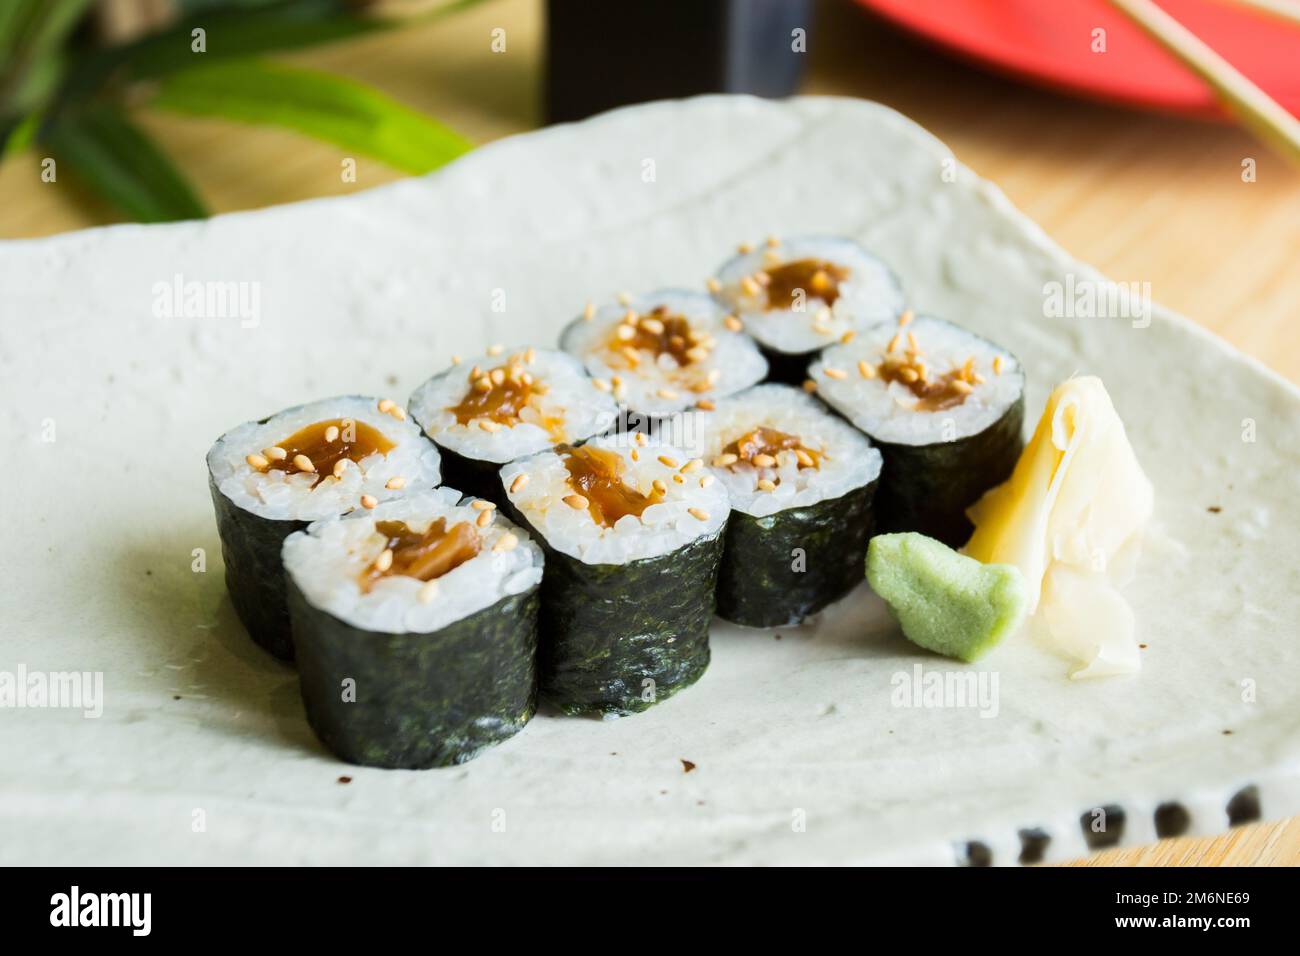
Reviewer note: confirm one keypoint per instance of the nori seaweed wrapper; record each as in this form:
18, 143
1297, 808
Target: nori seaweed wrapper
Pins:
927, 488
250, 548
758, 585
421, 700
606, 629
788, 368
472, 476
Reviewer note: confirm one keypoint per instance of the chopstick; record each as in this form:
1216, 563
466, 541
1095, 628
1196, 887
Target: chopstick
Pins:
1254, 108
1284, 9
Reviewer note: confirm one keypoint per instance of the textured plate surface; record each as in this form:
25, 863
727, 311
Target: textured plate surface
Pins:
801, 751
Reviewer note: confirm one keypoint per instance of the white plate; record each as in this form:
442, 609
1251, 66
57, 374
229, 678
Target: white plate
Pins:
800, 754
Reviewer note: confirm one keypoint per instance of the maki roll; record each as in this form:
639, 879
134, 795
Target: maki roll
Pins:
801, 482
270, 478
633, 533
663, 352
505, 405
944, 406
797, 296
416, 629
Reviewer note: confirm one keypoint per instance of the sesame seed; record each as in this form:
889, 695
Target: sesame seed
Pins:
773, 242
369, 501
978, 378
911, 342
653, 326
694, 464
678, 479
848, 336
495, 350
341, 466
997, 365
396, 483
484, 384
667, 462
908, 374
256, 461
905, 318
386, 405
766, 484
659, 486
733, 323
667, 393
636, 455
698, 513
640, 438
763, 461
631, 355
480, 504
332, 433
530, 355
630, 317
576, 502
894, 342
275, 453
713, 376
589, 311
484, 519
498, 375
303, 463
705, 405
509, 541
749, 286
961, 386
866, 369
809, 386
744, 248
804, 458
488, 425
456, 360
821, 329
428, 591
713, 285
725, 459
625, 333
384, 561
706, 481
601, 384
835, 372
521, 479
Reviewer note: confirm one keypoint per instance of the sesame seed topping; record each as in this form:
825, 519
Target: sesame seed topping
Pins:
589, 311
866, 369
275, 453
341, 466
396, 483
386, 405
895, 342
428, 591
653, 326
488, 425
698, 513
705, 405
481, 504
773, 242
667, 462
303, 463
484, 518
678, 479
256, 461
766, 484
763, 461
509, 541
809, 386
332, 433
749, 286
456, 360
385, 560
733, 323
576, 502
713, 285
905, 318
625, 333
997, 365
961, 386
848, 336
636, 455
659, 486
667, 393
369, 501
498, 376
521, 479
640, 438
725, 459
706, 481
495, 350
694, 464
601, 384
745, 248
831, 372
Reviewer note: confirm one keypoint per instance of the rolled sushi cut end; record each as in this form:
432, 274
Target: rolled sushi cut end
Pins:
416, 629
506, 404
801, 483
944, 601
945, 408
662, 352
270, 478
799, 295
633, 534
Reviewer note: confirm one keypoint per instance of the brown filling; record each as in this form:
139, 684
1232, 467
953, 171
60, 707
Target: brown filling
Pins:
934, 394
659, 332
597, 475
424, 556
818, 278
767, 442
500, 395
354, 441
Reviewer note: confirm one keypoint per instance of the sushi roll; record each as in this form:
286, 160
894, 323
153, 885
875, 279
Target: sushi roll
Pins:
633, 533
504, 405
796, 296
270, 478
663, 352
944, 407
801, 482
416, 629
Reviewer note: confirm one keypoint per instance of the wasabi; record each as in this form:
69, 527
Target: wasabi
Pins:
945, 601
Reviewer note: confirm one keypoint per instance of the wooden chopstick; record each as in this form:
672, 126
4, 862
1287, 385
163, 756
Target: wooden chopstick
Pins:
1254, 108
1283, 9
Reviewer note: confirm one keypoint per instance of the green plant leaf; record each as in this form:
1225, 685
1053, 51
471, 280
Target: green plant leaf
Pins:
18, 135
331, 108
104, 150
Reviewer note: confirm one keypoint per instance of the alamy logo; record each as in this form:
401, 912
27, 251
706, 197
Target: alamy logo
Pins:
193, 299
102, 909
924, 689
68, 690
1084, 298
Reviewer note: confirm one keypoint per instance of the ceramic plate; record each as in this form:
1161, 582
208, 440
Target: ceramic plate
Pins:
810, 744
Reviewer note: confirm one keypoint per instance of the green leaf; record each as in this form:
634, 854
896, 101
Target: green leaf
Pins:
331, 108
16, 137
113, 157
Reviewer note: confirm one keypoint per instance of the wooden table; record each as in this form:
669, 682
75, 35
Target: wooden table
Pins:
1143, 198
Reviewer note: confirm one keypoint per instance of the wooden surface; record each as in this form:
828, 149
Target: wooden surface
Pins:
1143, 198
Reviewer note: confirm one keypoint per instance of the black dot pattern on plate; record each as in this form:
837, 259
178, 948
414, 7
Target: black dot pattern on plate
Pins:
1103, 827
1172, 820
1244, 806
974, 853
1033, 845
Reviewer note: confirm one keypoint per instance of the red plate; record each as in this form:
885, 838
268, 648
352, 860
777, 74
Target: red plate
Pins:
1050, 42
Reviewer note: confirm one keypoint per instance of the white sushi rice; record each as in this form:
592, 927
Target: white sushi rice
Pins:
658, 385
290, 495
571, 398
887, 410
870, 294
845, 458
662, 528
328, 559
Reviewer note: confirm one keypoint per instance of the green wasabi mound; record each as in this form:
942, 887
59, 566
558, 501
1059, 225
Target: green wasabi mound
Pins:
945, 601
